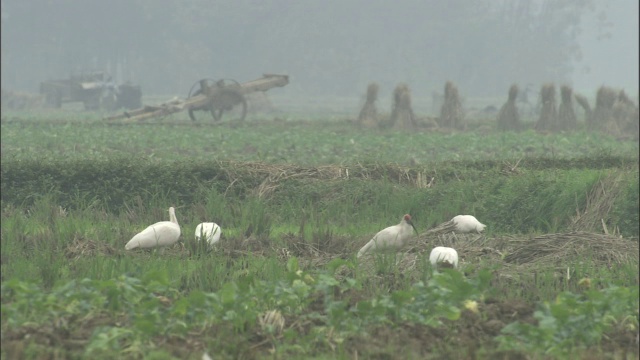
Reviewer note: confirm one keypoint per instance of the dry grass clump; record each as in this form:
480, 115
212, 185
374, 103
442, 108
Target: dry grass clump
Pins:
548, 114
508, 117
451, 113
272, 175
402, 116
559, 249
369, 114
81, 247
566, 116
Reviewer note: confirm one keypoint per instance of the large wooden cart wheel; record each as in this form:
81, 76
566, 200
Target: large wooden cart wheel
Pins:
225, 96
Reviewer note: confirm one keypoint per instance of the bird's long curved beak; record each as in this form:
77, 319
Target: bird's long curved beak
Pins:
414, 227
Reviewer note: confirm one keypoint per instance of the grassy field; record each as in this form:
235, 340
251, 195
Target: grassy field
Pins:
554, 276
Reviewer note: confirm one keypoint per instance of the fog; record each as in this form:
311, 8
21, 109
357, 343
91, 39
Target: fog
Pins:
329, 48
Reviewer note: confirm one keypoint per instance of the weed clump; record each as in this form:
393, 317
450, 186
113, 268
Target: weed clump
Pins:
508, 117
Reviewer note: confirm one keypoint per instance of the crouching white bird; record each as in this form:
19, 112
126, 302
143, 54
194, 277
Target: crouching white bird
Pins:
209, 231
160, 234
445, 257
467, 224
393, 237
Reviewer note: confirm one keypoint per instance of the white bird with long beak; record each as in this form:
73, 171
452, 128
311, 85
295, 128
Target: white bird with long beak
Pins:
445, 257
209, 231
467, 224
393, 237
160, 234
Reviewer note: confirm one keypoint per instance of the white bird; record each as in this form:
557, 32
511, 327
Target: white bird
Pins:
444, 257
160, 234
209, 231
393, 237
467, 224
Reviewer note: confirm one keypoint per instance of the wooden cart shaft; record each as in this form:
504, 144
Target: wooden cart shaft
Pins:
205, 99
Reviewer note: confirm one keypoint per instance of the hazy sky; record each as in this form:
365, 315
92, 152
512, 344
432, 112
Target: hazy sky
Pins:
611, 61
327, 47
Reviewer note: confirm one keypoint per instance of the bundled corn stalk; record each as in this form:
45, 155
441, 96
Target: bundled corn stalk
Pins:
566, 116
548, 114
402, 116
369, 114
603, 112
625, 113
451, 113
508, 117
588, 113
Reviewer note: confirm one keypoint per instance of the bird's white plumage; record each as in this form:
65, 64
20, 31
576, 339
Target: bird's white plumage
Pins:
468, 224
160, 234
209, 231
391, 238
446, 256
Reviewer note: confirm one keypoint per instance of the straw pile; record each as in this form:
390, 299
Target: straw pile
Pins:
369, 114
598, 204
402, 116
548, 114
451, 113
508, 117
566, 116
559, 249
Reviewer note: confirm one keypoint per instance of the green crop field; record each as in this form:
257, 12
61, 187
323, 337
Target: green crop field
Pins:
555, 274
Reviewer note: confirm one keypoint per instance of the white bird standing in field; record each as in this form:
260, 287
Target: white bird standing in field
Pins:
468, 224
209, 231
393, 237
445, 257
160, 234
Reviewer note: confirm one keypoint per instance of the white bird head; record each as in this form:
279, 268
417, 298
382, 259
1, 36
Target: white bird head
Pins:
407, 219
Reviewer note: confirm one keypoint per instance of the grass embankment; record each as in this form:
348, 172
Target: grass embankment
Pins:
544, 281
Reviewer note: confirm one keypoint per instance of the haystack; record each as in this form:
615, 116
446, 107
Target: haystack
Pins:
402, 116
548, 114
369, 114
566, 116
451, 113
508, 117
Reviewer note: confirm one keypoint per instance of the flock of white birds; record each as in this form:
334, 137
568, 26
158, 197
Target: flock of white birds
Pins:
166, 233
